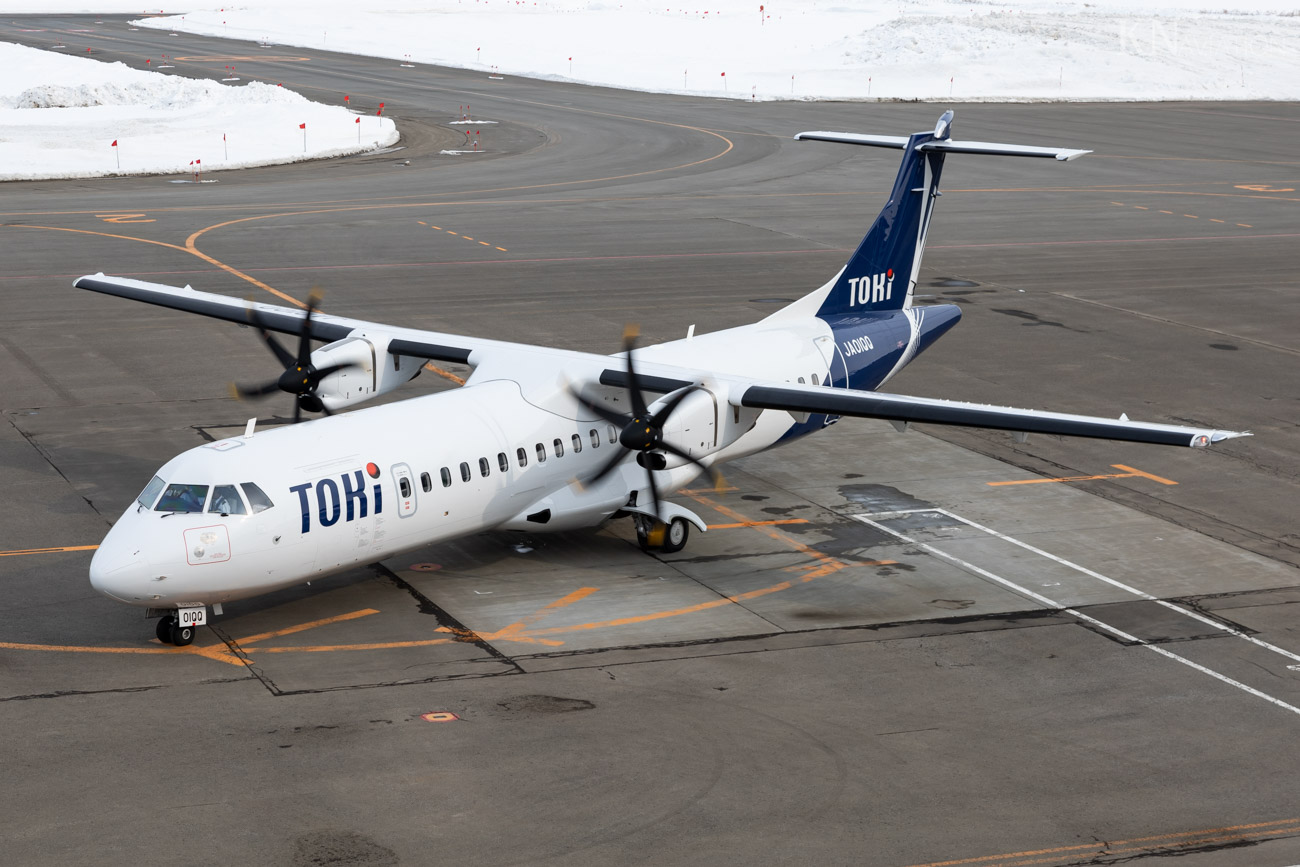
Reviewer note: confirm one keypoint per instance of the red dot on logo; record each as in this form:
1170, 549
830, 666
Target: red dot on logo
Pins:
373, 470
890, 273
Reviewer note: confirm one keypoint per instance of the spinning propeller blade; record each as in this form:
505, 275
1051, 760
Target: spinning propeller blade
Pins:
299, 378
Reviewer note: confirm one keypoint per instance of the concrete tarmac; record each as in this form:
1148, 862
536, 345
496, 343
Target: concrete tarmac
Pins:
938, 646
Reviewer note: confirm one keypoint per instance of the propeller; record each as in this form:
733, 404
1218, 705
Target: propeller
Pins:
300, 378
640, 430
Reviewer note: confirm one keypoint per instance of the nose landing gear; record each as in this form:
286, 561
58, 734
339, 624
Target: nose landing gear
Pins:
169, 631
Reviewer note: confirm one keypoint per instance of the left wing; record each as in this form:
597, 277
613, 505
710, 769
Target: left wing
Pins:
902, 408
325, 327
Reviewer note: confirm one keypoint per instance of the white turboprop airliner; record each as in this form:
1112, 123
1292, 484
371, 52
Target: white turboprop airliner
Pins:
538, 439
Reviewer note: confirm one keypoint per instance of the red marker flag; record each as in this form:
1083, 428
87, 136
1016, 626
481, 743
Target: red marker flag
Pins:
198, 162
302, 126
358, 120
114, 144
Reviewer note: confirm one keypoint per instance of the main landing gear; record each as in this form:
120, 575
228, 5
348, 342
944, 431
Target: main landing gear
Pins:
169, 631
667, 538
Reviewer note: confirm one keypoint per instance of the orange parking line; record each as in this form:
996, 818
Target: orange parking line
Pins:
24, 551
1132, 471
1128, 473
302, 627
742, 524
985, 859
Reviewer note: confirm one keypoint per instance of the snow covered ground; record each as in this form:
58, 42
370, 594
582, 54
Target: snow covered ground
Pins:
59, 117
954, 50
58, 114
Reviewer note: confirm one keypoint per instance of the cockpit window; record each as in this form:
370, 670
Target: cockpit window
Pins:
259, 501
151, 492
225, 499
182, 498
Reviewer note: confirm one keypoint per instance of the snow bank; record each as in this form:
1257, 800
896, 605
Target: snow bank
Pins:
951, 50
59, 116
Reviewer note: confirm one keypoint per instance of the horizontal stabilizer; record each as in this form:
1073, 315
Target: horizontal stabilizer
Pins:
944, 145
902, 408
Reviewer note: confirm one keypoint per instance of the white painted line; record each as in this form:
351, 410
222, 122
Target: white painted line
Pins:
1056, 606
1172, 606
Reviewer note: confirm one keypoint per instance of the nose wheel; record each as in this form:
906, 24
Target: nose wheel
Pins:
169, 631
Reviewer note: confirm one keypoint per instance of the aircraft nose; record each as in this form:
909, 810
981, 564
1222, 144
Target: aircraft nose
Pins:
119, 572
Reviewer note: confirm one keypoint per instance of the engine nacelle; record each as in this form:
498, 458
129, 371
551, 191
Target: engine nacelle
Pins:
373, 369
692, 426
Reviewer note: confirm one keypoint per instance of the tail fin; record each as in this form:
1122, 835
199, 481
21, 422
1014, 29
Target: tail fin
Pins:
881, 274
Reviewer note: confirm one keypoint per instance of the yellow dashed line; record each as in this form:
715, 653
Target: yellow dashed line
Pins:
1121, 204
1246, 225
1193, 216
1212, 220
1142, 207
1167, 212
459, 235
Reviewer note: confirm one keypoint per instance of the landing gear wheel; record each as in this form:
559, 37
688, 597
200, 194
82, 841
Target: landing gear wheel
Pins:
182, 636
675, 536
164, 628
644, 533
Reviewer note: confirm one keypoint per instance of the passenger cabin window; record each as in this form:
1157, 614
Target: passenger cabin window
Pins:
577, 444
258, 501
559, 447
183, 498
595, 439
404, 485
483, 467
801, 380
814, 380
426, 482
464, 472
225, 499
613, 434
151, 492
522, 455
541, 453
446, 477
502, 461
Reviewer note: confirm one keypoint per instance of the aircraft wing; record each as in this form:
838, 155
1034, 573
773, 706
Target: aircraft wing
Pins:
902, 408
411, 342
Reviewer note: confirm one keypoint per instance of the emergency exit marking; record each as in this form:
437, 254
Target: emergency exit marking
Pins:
439, 716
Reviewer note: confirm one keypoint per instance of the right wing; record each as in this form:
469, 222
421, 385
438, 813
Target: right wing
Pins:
903, 408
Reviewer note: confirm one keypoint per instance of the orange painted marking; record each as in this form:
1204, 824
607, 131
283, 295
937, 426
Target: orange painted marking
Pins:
516, 631
1193, 216
124, 218
25, 551
1128, 473
1212, 220
1167, 212
1265, 188
1142, 207
1246, 225
743, 524
439, 716
1121, 204
445, 374
503, 249
1256, 829
302, 627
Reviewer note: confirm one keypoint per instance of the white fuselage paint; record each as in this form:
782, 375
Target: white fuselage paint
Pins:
164, 559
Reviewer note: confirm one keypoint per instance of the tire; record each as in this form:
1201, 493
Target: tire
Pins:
675, 536
164, 628
182, 636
